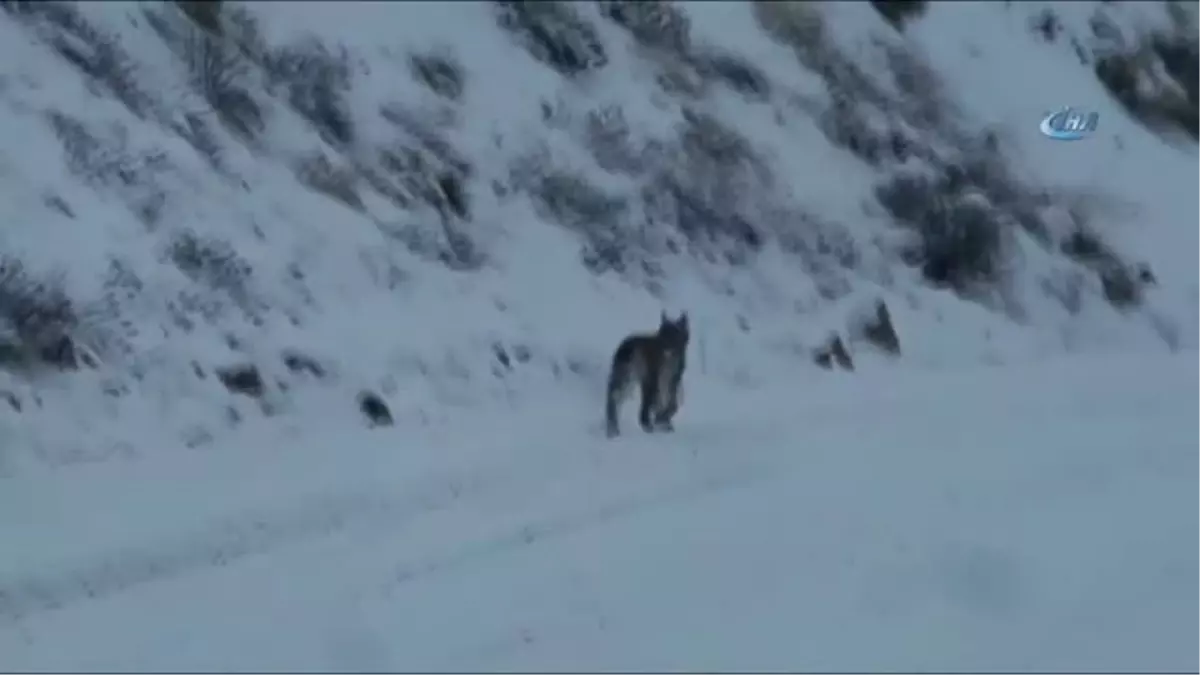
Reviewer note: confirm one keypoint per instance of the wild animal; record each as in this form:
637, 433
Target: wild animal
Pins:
653, 362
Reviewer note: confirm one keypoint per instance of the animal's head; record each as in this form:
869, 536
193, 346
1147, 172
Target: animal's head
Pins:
674, 334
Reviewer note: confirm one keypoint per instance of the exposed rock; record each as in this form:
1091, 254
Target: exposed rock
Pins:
879, 331
833, 351
376, 411
302, 363
242, 379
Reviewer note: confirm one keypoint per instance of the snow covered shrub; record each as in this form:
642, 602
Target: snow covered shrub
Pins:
425, 166
443, 241
553, 33
712, 226
216, 72
739, 74
1180, 59
607, 137
338, 183
600, 219
899, 12
428, 177
861, 117
316, 81
706, 195
845, 124
200, 135
1133, 74
110, 164
959, 242
923, 103
798, 25
1123, 285
439, 71
98, 162
215, 265
37, 321
700, 194
1163, 107
97, 54
653, 23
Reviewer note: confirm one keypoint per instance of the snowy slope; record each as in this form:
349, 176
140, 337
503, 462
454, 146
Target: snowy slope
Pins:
187, 235
430, 203
1029, 518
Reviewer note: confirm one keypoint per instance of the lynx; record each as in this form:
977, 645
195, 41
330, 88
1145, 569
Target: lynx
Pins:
655, 363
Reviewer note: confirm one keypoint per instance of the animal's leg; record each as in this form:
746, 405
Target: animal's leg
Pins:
671, 406
663, 419
649, 398
618, 386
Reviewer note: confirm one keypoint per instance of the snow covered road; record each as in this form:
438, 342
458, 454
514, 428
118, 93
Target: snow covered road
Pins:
1040, 517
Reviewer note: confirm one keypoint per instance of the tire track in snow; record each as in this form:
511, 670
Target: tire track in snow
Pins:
250, 533
548, 529
215, 546
228, 540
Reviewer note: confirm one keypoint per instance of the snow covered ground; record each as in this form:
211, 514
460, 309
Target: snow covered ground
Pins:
1038, 518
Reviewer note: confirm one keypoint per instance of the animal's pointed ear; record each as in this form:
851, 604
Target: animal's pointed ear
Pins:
663, 319
683, 320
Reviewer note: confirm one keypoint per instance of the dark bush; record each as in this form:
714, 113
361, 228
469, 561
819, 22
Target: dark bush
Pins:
1160, 106
713, 227
608, 137
899, 12
960, 243
37, 320
572, 202
553, 33
440, 72
109, 164
216, 265
424, 166
97, 54
316, 81
845, 126
206, 14
1123, 285
1119, 76
216, 70
422, 169
741, 75
338, 183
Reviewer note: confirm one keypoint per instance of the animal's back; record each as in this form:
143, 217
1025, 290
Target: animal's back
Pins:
633, 357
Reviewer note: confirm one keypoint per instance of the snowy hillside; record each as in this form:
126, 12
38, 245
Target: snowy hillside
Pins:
345, 260
455, 204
